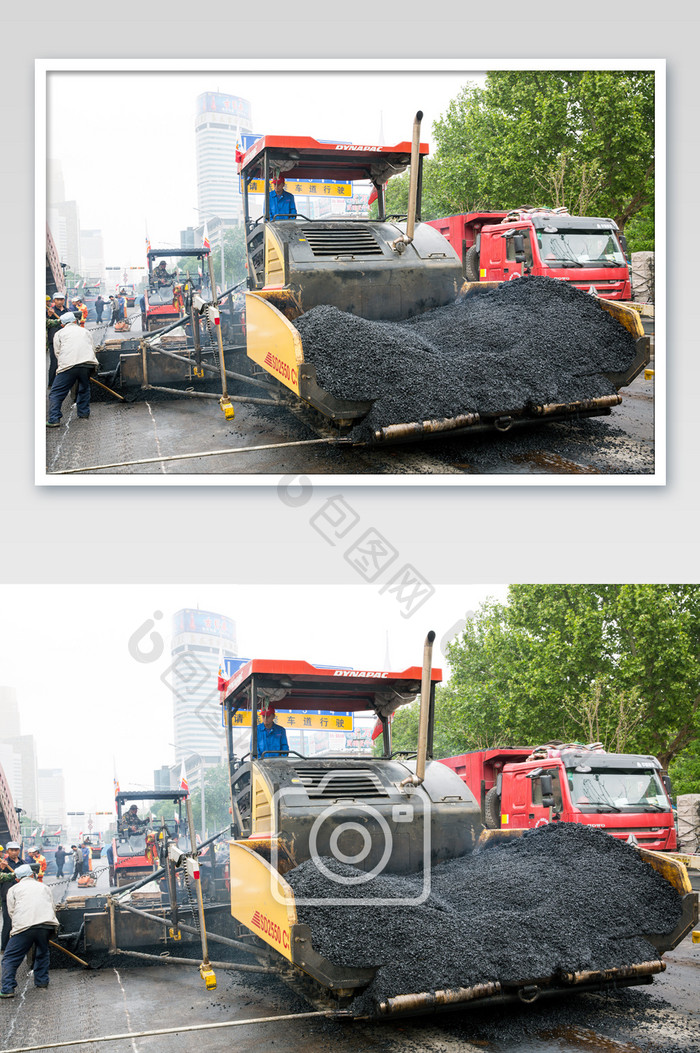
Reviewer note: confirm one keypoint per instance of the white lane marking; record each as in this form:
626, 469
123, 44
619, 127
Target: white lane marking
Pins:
155, 432
126, 1010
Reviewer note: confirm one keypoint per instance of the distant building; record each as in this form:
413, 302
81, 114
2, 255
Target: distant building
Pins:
9, 713
164, 778
18, 755
200, 640
188, 239
52, 799
25, 790
219, 127
92, 255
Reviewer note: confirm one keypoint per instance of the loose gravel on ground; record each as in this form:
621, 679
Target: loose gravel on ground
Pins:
560, 898
528, 342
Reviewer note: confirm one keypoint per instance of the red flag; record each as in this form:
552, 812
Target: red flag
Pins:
222, 681
377, 729
183, 778
239, 153
205, 239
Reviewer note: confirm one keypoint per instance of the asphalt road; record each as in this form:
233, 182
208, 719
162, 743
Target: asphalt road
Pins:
118, 435
88, 1004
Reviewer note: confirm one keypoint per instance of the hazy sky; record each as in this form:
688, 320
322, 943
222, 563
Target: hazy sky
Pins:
130, 163
92, 706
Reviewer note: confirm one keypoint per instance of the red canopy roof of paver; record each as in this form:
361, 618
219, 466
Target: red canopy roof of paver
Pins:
310, 687
304, 158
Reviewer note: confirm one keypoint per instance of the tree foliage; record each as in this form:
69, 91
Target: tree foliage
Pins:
217, 800
613, 663
583, 140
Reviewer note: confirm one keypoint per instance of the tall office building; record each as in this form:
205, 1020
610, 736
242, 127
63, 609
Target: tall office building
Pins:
200, 640
92, 255
220, 124
52, 799
18, 754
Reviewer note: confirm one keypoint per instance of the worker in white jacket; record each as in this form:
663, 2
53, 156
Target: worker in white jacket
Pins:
75, 353
33, 921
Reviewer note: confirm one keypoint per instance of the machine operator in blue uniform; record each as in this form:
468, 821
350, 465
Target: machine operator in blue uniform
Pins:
272, 738
282, 203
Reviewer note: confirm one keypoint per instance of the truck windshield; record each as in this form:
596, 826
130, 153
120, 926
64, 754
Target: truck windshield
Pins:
580, 248
617, 790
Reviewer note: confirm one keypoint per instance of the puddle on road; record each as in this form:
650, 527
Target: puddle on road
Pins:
571, 1039
552, 462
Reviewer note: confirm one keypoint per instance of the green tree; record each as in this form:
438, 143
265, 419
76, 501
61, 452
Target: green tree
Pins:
581, 139
618, 663
217, 800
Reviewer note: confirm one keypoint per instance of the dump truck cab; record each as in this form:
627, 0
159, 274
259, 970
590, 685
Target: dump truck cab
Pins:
622, 794
589, 252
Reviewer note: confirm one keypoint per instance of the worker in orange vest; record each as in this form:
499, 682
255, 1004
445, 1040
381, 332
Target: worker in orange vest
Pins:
38, 860
79, 306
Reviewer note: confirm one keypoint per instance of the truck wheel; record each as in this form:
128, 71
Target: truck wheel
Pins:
492, 809
471, 264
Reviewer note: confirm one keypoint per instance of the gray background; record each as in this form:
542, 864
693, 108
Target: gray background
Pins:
492, 533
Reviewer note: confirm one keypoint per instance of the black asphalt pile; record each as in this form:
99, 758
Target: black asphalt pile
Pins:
528, 342
561, 898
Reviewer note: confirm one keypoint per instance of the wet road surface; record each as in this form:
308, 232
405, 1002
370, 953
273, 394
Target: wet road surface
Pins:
152, 430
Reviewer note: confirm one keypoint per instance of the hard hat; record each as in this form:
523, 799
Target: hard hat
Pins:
24, 871
67, 318
268, 711
48, 297
59, 296
12, 844
279, 180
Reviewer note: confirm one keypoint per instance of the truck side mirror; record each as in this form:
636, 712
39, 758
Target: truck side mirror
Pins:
547, 786
547, 800
519, 248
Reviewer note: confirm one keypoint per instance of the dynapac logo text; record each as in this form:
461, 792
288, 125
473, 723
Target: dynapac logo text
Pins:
347, 146
363, 673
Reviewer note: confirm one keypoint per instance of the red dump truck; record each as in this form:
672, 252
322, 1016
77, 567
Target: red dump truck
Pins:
621, 793
588, 251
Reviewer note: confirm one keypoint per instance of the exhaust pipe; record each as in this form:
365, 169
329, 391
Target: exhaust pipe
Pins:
419, 777
401, 242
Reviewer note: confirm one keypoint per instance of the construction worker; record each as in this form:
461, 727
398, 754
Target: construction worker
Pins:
282, 203
8, 865
80, 310
271, 737
75, 351
38, 860
33, 917
130, 822
161, 276
54, 309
